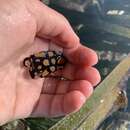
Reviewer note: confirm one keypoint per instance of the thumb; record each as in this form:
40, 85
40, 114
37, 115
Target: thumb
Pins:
53, 25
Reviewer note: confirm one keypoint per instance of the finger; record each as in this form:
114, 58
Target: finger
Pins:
73, 101
54, 86
53, 25
73, 72
50, 86
58, 105
83, 86
81, 56
91, 74
70, 102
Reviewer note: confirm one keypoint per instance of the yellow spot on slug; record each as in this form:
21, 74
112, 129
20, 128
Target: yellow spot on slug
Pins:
53, 61
45, 73
46, 62
39, 67
35, 73
52, 68
37, 60
40, 54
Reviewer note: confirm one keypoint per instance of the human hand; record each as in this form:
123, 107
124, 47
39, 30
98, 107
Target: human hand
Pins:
27, 27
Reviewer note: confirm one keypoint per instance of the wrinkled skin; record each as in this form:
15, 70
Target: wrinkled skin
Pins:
28, 26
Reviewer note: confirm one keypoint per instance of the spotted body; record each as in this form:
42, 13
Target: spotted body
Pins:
44, 63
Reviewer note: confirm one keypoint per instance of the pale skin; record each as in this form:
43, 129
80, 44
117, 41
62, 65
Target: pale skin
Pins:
28, 26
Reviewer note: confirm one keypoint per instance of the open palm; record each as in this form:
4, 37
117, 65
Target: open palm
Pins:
21, 96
